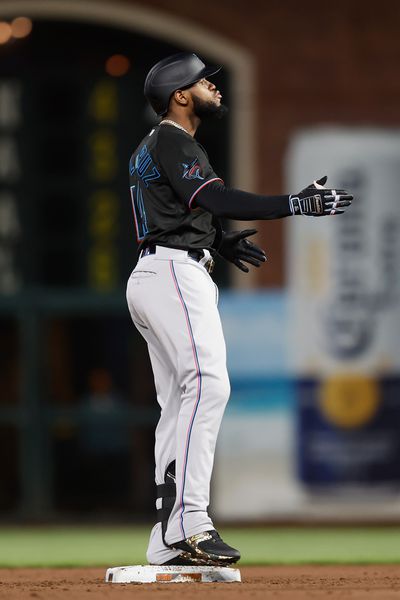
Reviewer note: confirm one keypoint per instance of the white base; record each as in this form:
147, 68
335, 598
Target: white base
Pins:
170, 574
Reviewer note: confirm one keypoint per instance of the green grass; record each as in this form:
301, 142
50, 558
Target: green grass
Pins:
114, 546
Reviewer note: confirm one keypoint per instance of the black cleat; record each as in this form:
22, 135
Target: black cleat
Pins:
205, 548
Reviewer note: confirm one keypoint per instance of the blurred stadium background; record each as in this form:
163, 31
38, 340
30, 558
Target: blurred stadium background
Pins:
312, 431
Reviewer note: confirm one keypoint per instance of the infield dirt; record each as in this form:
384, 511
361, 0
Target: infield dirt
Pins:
294, 583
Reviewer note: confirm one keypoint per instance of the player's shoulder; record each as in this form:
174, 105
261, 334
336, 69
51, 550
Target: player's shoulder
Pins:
152, 137
145, 149
149, 138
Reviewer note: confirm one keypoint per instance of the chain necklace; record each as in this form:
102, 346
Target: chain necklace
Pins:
170, 122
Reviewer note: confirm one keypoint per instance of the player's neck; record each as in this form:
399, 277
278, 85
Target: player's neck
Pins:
189, 123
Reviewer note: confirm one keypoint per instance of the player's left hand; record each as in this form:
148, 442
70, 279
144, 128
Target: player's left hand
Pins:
317, 201
236, 248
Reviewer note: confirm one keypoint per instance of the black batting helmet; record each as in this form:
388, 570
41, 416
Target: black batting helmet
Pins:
173, 73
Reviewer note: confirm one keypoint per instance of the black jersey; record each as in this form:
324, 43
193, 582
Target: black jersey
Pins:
167, 171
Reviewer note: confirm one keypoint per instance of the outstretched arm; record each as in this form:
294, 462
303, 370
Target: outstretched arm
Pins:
315, 200
244, 206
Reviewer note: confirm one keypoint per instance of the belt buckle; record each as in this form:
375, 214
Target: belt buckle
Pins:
209, 265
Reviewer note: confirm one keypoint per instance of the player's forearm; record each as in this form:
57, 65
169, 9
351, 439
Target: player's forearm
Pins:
244, 206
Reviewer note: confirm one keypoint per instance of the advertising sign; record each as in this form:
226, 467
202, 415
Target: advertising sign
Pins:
344, 315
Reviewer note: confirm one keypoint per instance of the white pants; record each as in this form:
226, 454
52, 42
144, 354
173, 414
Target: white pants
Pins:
173, 303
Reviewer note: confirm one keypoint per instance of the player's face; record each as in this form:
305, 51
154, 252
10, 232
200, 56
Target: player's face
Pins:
207, 99
207, 91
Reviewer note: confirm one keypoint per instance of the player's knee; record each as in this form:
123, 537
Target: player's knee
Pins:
214, 385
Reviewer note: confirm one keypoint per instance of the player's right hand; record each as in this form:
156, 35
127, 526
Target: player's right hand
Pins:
318, 201
235, 247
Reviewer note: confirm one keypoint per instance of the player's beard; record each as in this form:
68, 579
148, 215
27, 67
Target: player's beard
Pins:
206, 109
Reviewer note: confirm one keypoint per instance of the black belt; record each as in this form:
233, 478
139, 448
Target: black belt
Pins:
196, 255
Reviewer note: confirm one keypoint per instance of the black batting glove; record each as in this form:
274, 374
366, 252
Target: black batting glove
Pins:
318, 201
236, 248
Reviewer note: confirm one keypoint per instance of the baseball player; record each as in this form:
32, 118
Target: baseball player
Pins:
177, 200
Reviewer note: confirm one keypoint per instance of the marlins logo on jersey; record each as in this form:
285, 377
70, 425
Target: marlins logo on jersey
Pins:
192, 170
